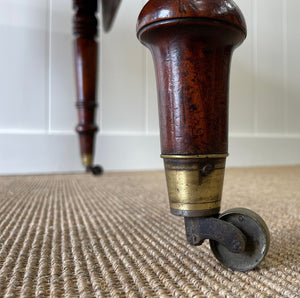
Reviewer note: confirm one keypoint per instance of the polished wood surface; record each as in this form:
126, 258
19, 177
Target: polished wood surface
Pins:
191, 43
109, 10
214, 10
86, 56
85, 26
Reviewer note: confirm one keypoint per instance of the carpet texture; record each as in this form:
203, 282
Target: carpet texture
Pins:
113, 236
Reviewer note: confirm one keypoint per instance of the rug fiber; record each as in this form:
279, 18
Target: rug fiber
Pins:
113, 236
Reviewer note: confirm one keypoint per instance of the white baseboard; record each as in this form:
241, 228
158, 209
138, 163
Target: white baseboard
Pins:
264, 150
25, 153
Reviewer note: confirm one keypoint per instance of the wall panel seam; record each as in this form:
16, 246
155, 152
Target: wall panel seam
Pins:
254, 6
49, 66
285, 66
100, 70
14, 132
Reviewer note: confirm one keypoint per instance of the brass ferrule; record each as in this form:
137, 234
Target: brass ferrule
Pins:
195, 183
87, 160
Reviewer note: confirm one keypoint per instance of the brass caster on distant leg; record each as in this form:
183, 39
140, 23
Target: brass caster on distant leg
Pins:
95, 170
87, 161
257, 240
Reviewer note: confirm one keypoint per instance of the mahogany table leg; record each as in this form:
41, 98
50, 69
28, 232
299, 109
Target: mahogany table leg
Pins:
86, 59
192, 42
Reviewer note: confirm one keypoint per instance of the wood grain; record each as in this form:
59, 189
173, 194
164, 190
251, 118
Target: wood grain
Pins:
191, 43
86, 59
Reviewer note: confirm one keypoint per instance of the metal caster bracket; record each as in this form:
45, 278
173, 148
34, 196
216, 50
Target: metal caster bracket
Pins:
198, 229
239, 238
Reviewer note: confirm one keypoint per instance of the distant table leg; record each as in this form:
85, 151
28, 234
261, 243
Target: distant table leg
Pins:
86, 60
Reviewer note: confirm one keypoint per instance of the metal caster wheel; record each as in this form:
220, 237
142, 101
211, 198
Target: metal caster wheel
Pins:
95, 170
257, 240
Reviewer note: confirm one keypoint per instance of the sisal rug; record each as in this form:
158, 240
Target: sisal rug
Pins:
113, 236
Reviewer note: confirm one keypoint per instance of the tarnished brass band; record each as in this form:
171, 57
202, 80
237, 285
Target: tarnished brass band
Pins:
87, 160
195, 213
195, 184
222, 155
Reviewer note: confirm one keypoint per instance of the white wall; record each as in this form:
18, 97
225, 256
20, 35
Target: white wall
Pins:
38, 115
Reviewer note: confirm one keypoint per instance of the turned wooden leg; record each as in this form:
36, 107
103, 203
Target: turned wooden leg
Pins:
191, 42
86, 59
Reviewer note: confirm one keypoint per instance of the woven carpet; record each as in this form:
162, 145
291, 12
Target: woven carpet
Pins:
113, 236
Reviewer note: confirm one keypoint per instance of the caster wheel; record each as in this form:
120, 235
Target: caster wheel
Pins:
95, 170
257, 243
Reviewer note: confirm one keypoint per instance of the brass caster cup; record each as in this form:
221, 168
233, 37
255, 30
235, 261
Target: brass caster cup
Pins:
195, 183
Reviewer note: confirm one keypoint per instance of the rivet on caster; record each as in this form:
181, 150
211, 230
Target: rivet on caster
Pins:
192, 42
